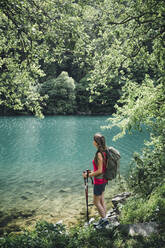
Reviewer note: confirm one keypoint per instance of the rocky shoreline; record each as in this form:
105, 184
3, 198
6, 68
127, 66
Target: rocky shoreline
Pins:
144, 229
12, 220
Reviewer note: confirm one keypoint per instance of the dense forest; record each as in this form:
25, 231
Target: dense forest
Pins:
67, 57
92, 57
52, 54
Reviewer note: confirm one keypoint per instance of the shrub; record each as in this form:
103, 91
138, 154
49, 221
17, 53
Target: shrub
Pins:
45, 235
61, 94
138, 209
147, 172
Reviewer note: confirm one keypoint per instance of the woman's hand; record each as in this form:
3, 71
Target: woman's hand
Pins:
85, 173
90, 174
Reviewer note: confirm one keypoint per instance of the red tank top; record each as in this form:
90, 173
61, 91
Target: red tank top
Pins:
101, 180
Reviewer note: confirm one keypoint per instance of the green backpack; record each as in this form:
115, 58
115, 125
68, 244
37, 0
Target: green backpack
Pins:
113, 163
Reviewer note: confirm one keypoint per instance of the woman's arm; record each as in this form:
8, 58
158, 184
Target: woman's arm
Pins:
100, 166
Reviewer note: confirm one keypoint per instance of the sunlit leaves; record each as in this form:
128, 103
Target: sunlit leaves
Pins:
139, 104
111, 41
137, 55
61, 94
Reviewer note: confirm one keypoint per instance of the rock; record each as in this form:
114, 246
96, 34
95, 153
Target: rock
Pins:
126, 194
91, 220
120, 198
113, 222
82, 213
62, 191
65, 190
5, 220
24, 197
110, 213
12, 228
59, 223
113, 213
26, 213
144, 229
112, 225
113, 219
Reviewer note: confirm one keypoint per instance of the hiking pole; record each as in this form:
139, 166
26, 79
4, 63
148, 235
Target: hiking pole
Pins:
86, 193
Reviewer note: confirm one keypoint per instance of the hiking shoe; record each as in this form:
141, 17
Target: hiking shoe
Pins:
98, 222
103, 224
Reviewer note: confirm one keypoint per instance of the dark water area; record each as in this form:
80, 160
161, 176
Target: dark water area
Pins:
41, 161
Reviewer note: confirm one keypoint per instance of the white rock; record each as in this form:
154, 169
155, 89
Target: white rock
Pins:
91, 220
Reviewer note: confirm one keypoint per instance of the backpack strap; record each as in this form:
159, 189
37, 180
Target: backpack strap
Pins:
101, 176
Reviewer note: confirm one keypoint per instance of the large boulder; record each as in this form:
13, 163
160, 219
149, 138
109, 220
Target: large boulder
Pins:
144, 229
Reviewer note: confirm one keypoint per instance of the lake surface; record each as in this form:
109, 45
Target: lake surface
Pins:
41, 162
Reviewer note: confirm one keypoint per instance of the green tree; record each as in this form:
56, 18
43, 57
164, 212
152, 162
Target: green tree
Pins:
139, 34
34, 34
20, 51
83, 95
61, 94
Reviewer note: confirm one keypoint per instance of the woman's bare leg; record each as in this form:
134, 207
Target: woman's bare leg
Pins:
103, 203
99, 203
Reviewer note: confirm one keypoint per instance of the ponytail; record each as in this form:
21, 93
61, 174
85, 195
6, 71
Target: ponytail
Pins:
101, 145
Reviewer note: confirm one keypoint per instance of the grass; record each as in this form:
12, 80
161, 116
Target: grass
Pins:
47, 235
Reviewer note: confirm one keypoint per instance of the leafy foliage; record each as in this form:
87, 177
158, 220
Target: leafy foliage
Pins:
47, 235
61, 93
147, 172
19, 56
40, 40
139, 47
102, 39
83, 95
139, 210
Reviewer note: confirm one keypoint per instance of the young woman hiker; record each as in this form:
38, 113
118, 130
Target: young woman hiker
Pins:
99, 165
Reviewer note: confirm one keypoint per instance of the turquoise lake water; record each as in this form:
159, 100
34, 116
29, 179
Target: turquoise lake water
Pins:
41, 161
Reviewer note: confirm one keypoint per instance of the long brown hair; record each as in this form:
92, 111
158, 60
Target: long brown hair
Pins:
101, 145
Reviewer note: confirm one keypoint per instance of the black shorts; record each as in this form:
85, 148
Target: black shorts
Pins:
99, 188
